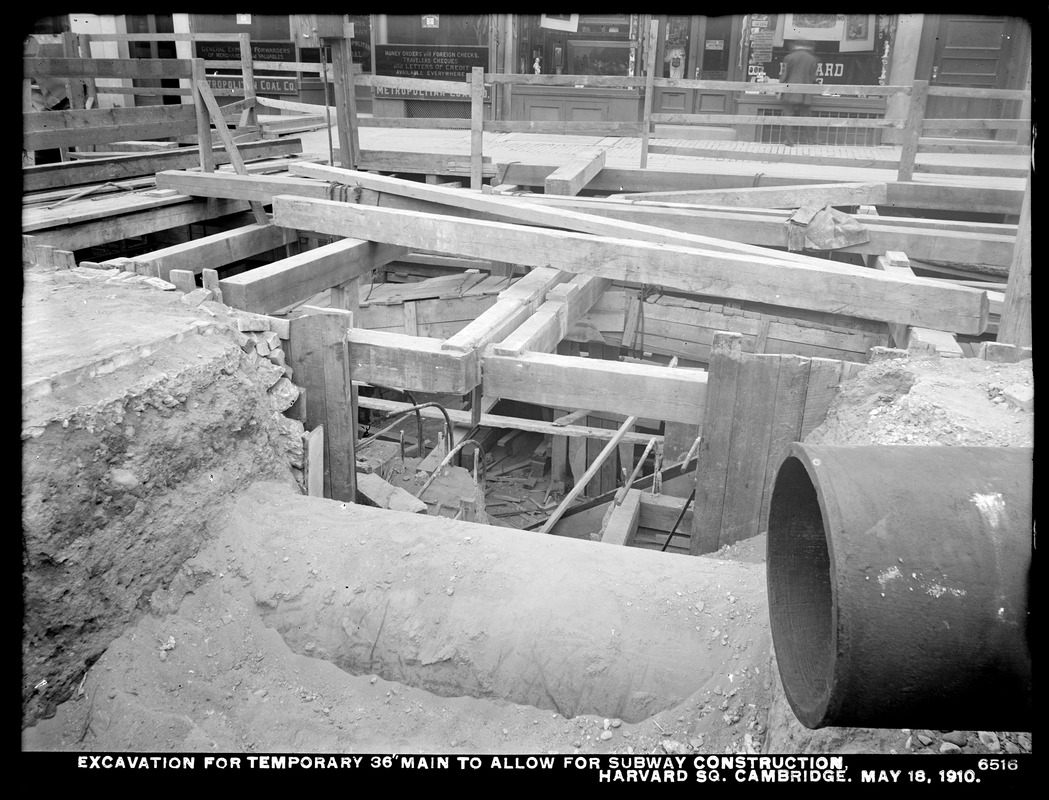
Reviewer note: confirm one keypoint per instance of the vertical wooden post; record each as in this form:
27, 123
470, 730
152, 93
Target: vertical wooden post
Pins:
28, 156
650, 76
476, 126
912, 130
1015, 326
1023, 136
207, 157
347, 296
315, 348
351, 391
250, 114
476, 398
712, 460
345, 103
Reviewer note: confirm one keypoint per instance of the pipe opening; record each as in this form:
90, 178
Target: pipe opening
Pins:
801, 602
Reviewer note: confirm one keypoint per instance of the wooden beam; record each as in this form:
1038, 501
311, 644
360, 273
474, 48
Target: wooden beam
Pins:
415, 363
459, 417
255, 188
113, 168
315, 354
270, 287
713, 456
833, 194
107, 67
855, 292
217, 249
476, 127
1015, 326
571, 178
976, 243
567, 382
566, 303
125, 226
621, 524
512, 308
942, 343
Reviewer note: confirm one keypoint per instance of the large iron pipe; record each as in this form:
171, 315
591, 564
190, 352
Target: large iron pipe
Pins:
898, 586
576, 627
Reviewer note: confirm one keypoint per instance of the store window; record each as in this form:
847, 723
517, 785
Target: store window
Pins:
438, 29
583, 44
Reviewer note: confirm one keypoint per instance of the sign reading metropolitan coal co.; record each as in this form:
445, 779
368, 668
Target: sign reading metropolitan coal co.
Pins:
434, 62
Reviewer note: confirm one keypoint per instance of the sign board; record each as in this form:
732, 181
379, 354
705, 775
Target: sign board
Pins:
260, 51
264, 84
435, 62
243, 19
431, 20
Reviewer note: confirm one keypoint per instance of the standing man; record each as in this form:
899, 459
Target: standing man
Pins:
798, 67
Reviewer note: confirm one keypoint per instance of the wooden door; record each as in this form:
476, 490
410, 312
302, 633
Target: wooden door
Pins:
676, 58
982, 52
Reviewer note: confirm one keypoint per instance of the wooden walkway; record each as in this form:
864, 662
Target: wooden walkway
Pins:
815, 162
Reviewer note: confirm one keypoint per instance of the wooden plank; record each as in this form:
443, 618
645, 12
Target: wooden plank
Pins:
101, 134
567, 382
824, 380
678, 440
752, 424
660, 512
210, 280
411, 320
296, 279
314, 353
1016, 323
258, 188
961, 243
313, 462
183, 279
107, 67
460, 417
571, 178
113, 168
789, 408
834, 194
114, 229
853, 291
605, 479
974, 243
217, 249
621, 525
713, 456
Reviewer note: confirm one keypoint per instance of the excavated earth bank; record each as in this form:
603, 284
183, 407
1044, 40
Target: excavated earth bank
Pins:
180, 596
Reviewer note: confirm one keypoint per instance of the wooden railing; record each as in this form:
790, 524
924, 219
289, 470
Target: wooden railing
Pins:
915, 129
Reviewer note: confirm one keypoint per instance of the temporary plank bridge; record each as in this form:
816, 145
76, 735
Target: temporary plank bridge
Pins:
714, 333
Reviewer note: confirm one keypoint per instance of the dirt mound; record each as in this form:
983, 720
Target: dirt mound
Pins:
124, 471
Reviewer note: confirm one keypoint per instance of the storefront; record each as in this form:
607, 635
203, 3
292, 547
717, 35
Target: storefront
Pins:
854, 49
